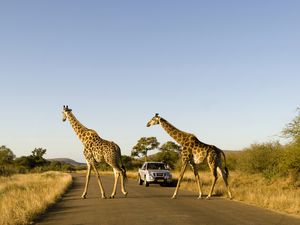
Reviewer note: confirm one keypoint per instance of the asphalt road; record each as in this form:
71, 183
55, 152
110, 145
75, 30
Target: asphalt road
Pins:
153, 206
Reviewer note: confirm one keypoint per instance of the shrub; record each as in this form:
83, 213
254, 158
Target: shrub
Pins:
127, 161
6, 155
261, 158
291, 158
232, 159
290, 163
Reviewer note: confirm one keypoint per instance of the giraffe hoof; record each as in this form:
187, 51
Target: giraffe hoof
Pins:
207, 198
199, 197
173, 197
103, 197
83, 196
125, 194
112, 196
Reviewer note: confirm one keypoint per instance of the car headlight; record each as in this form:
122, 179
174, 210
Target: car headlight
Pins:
151, 176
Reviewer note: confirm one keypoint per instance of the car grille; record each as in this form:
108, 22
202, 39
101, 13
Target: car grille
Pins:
159, 174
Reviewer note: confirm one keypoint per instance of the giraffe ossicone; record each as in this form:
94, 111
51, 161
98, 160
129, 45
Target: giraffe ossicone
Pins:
97, 150
195, 152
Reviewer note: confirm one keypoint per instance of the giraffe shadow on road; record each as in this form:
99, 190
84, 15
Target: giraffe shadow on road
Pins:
60, 210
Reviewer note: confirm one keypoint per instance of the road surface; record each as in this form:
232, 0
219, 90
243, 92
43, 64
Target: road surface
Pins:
153, 206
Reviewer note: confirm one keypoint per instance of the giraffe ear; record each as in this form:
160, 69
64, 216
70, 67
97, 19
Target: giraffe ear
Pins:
156, 114
64, 107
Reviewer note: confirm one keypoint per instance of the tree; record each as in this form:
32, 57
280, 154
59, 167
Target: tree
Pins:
290, 162
169, 154
6, 155
38, 153
25, 161
34, 160
37, 156
170, 146
292, 129
144, 145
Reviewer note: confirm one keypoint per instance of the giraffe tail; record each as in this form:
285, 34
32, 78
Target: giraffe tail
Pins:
122, 167
124, 171
225, 168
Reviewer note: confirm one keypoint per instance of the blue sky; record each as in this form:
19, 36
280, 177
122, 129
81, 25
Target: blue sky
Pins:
227, 71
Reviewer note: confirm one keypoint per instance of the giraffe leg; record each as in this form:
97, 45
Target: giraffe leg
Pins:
225, 177
215, 177
197, 178
123, 185
117, 174
183, 168
99, 181
87, 179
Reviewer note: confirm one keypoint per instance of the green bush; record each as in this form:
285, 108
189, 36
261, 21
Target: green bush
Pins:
7, 170
232, 159
127, 162
261, 158
290, 163
168, 157
6, 155
270, 159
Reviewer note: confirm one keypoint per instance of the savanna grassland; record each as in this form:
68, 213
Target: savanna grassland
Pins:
24, 196
277, 194
263, 174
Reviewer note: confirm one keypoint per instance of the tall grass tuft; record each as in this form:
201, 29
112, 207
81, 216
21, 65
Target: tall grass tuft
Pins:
24, 196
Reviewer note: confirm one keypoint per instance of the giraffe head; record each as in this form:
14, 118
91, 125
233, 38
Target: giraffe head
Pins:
154, 120
64, 112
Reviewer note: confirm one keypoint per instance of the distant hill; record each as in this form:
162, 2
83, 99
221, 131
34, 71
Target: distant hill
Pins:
68, 161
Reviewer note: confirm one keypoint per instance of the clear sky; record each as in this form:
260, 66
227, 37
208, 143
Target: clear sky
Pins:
227, 71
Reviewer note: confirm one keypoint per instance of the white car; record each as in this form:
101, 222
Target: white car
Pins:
154, 172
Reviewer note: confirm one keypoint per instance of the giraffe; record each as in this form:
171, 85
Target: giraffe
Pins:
195, 152
97, 150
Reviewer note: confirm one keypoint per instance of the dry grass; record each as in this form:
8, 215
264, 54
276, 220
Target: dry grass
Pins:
23, 197
277, 195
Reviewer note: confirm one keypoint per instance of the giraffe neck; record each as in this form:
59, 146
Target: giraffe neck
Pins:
77, 126
178, 135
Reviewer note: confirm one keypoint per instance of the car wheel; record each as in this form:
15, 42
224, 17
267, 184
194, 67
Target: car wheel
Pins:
140, 181
164, 184
146, 184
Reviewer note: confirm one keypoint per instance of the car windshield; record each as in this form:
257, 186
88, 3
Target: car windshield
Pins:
156, 166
